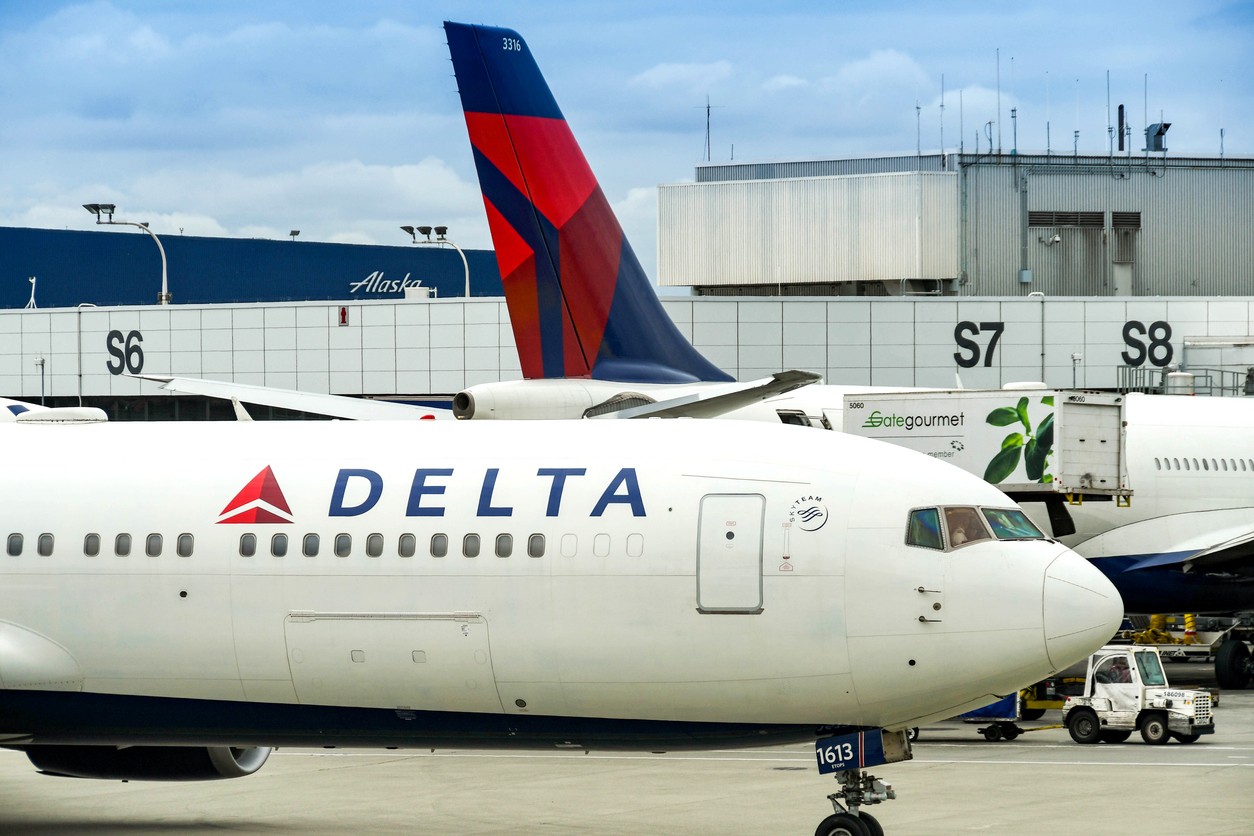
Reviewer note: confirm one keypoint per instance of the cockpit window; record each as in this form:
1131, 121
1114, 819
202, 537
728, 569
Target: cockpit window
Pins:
924, 529
1009, 524
964, 526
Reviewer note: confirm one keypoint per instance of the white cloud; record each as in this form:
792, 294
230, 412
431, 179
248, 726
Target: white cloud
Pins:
637, 215
694, 77
783, 82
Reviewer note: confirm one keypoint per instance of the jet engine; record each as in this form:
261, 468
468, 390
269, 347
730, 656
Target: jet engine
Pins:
148, 763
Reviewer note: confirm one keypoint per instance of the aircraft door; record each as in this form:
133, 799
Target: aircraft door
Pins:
729, 553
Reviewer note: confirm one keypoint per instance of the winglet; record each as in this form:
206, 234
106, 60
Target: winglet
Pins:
579, 301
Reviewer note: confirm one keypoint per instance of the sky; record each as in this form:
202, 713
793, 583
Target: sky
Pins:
249, 119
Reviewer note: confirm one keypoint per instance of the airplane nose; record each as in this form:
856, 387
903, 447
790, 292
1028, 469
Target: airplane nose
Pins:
1082, 609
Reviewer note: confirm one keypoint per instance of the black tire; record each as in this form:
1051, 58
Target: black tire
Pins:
1112, 736
1187, 738
1154, 729
912, 734
992, 734
1032, 714
872, 826
842, 824
1083, 726
1010, 732
1232, 665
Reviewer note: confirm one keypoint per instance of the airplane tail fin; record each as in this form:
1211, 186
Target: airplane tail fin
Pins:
579, 301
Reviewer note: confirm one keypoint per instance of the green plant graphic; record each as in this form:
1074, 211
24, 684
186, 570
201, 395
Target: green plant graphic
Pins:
1034, 447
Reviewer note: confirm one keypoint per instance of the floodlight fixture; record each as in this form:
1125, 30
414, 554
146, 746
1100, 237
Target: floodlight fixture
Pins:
441, 231
107, 208
294, 233
94, 208
408, 228
102, 209
424, 231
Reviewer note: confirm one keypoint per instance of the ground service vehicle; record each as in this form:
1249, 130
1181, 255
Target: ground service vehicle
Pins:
1126, 690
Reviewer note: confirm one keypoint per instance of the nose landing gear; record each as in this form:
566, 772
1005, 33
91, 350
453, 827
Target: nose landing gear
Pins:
847, 757
858, 788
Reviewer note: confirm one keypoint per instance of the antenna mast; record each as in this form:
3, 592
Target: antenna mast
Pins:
990, 139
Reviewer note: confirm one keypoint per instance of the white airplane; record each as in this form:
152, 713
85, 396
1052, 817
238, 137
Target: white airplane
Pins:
176, 597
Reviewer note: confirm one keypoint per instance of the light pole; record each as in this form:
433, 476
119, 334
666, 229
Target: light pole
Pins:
440, 240
102, 209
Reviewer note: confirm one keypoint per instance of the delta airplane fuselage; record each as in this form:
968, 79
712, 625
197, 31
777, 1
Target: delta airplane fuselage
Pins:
505, 583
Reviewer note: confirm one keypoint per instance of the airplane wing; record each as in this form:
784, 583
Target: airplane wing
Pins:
337, 406
1194, 541
711, 405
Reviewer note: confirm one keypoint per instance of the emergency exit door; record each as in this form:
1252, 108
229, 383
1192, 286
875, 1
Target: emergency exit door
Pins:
729, 553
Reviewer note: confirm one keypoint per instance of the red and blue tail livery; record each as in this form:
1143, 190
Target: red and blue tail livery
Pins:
580, 303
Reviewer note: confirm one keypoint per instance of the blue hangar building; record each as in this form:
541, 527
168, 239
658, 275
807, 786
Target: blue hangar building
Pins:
124, 268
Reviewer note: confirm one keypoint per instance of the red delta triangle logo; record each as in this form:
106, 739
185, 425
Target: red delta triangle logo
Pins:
261, 501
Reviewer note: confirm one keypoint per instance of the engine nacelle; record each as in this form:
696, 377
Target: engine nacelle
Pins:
148, 763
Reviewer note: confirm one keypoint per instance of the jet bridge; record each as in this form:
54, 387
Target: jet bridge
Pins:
1055, 446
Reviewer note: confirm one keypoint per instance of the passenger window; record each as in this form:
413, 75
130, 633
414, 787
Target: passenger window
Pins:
470, 545
1176, 462
122, 545
374, 545
439, 545
1205, 465
1009, 524
15, 545
601, 545
185, 545
1157, 466
1195, 465
310, 546
535, 545
504, 545
924, 529
1225, 463
1214, 464
91, 545
964, 526
153, 545
570, 545
1186, 464
407, 545
45, 545
343, 545
247, 545
278, 545
1242, 461
635, 545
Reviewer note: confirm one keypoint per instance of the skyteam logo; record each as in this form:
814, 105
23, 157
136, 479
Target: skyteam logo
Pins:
261, 501
808, 513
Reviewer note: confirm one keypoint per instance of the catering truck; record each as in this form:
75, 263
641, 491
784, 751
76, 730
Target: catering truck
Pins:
1038, 445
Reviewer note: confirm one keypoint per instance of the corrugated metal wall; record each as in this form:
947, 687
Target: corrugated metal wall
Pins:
851, 219
827, 229
1195, 233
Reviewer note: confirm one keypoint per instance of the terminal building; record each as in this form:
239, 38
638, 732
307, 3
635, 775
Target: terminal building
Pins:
929, 271
962, 225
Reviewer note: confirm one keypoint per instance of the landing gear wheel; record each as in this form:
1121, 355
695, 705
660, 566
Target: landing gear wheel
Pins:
1113, 736
912, 734
1033, 714
1154, 729
1232, 665
1083, 726
842, 824
992, 734
1187, 738
873, 827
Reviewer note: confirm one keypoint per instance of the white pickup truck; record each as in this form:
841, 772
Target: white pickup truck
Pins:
1125, 691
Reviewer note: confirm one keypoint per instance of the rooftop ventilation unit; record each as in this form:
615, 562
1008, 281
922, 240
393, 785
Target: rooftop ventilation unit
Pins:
1155, 137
